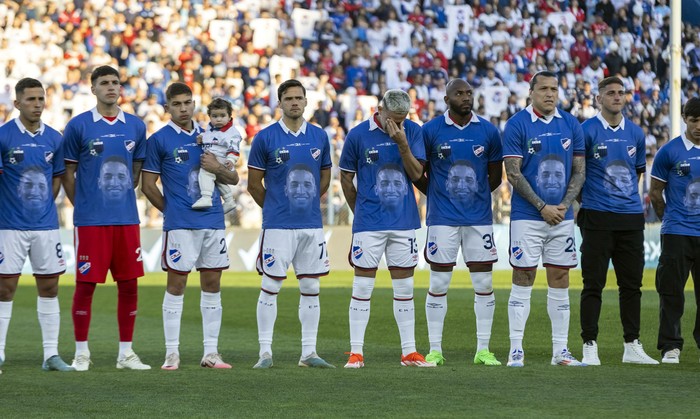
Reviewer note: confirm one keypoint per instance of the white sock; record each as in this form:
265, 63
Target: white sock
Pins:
436, 307
210, 305
82, 348
404, 313
484, 307
559, 313
309, 315
172, 319
49, 314
5, 316
359, 311
124, 347
266, 314
518, 312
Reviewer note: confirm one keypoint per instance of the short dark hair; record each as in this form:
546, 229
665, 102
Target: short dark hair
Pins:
177, 88
692, 108
26, 83
287, 85
545, 73
103, 70
608, 81
220, 103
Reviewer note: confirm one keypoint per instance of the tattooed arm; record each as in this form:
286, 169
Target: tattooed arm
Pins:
550, 213
656, 197
578, 176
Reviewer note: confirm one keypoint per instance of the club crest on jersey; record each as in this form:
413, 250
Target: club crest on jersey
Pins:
600, 151
478, 150
371, 156
268, 259
129, 145
534, 145
181, 155
444, 151
48, 156
15, 156
175, 255
517, 253
84, 267
683, 168
432, 247
315, 153
96, 147
281, 155
566, 143
631, 150
356, 252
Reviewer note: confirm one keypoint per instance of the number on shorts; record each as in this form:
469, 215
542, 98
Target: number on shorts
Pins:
324, 250
414, 245
488, 241
59, 251
570, 248
223, 247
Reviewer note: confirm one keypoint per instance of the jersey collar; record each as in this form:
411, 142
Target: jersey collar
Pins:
545, 119
606, 124
195, 128
450, 121
373, 123
302, 129
96, 116
24, 129
687, 143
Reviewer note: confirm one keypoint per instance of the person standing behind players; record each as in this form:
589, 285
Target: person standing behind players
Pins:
31, 163
191, 238
107, 235
386, 153
675, 174
293, 158
611, 220
464, 156
543, 148
223, 141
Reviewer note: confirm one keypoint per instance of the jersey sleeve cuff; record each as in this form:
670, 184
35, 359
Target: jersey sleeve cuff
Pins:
151, 171
659, 179
255, 167
348, 170
513, 156
67, 160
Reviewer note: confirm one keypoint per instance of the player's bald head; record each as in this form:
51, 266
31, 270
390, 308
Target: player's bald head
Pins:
455, 85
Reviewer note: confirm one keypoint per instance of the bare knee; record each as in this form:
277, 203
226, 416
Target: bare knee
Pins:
557, 277
524, 278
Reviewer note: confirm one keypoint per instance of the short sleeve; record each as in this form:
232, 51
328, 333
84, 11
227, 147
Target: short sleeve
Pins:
348, 157
495, 146
660, 168
258, 155
153, 161
417, 144
140, 152
71, 143
512, 140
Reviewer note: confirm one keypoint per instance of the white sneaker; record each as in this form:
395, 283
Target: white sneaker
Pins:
213, 360
82, 361
634, 354
564, 358
229, 205
516, 358
590, 353
131, 361
203, 202
672, 357
172, 362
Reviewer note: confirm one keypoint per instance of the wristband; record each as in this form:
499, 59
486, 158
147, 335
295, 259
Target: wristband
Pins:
544, 204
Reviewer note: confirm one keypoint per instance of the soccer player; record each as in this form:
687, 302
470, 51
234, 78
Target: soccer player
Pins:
104, 151
611, 220
293, 158
191, 238
465, 164
675, 175
386, 154
543, 148
31, 163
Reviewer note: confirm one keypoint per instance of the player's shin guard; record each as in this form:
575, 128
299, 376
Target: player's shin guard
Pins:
559, 313
5, 316
172, 318
436, 307
359, 311
127, 302
309, 314
49, 314
82, 311
518, 312
267, 312
484, 307
210, 305
404, 313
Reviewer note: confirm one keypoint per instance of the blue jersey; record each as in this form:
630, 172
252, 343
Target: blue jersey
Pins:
174, 154
292, 163
458, 160
385, 199
547, 148
28, 164
677, 164
613, 159
105, 152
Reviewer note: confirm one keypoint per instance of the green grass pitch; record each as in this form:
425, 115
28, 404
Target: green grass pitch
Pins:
382, 388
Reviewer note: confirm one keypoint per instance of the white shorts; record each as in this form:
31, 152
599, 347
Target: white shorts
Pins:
443, 243
306, 249
530, 240
204, 250
42, 246
400, 248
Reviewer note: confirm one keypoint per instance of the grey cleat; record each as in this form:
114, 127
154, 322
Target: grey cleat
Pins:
314, 361
264, 362
55, 363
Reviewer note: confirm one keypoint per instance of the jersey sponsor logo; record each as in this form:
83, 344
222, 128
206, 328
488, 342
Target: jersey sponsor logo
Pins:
534, 145
84, 267
683, 168
371, 156
281, 155
48, 156
432, 247
444, 151
181, 155
631, 150
174, 254
129, 145
356, 252
478, 150
268, 259
315, 153
517, 253
96, 147
600, 151
15, 156
566, 143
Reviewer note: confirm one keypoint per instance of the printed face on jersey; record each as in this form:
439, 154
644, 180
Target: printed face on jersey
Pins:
107, 89
551, 180
30, 104
114, 180
691, 201
618, 180
390, 187
461, 184
293, 102
181, 108
33, 189
193, 184
300, 190
219, 117
544, 95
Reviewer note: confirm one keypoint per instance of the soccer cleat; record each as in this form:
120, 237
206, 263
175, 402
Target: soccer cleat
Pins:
564, 358
634, 354
485, 357
672, 357
355, 361
264, 362
590, 353
81, 362
314, 361
213, 360
203, 202
131, 361
55, 363
229, 205
414, 359
516, 358
435, 357
172, 362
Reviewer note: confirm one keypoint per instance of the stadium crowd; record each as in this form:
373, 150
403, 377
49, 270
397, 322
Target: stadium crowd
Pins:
347, 54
